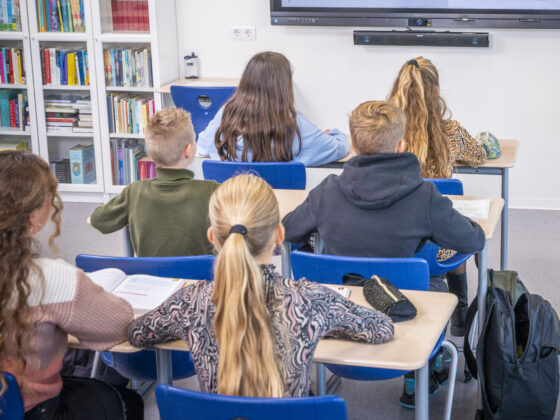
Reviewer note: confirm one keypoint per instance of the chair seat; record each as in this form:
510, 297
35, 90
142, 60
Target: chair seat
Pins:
11, 401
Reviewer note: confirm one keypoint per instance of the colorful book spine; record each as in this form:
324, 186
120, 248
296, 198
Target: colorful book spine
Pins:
82, 164
129, 68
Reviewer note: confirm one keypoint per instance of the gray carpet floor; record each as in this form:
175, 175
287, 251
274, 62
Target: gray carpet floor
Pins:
534, 241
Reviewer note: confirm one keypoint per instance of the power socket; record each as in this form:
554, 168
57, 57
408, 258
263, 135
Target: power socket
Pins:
242, 33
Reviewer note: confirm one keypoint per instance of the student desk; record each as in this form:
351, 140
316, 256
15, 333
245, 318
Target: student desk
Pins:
498, 166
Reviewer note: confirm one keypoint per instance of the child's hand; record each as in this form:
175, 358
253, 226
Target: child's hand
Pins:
327, 131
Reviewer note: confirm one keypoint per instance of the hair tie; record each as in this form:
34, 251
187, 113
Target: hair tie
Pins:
413, 63
242, 230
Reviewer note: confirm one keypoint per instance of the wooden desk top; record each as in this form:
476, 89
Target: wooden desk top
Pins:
288, 200
201, 81
506, 160
421, 334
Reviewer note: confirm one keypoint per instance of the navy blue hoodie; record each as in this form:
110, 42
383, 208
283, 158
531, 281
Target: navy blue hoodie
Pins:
381, 207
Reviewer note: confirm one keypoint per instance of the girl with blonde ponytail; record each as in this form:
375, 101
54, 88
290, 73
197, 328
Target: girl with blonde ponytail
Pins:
250, 331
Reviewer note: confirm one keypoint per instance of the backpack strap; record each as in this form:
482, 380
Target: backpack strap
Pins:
467, 349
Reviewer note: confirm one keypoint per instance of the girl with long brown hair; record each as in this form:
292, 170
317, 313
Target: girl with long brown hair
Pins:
250, 331
260, 122
43, 300
438, 143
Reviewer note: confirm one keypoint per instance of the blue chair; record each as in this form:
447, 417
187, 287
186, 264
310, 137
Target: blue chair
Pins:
141, 366
11, 401
430, 250
280, 175
184, 404
190, 98
404, 273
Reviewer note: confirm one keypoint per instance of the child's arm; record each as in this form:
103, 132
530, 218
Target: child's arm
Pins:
206, 145
341, 318
164, 323
452, 230
112, 216
466, 147
301, 222
318, 147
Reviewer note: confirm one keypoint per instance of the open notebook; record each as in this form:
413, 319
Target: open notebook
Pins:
143, 292
474, 209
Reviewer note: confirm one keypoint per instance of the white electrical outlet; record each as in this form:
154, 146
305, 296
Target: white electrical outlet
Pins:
242, 33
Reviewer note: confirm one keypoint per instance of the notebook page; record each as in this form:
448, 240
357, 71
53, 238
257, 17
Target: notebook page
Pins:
474, 209
145, 293
107, 278
344, 291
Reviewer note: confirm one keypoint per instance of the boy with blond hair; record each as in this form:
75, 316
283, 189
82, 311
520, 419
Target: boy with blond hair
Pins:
167, 215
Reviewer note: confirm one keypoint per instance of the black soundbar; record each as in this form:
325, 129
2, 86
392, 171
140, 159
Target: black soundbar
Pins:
424, 38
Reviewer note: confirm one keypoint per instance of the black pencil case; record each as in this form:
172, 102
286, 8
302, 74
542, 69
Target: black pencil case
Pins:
385, 297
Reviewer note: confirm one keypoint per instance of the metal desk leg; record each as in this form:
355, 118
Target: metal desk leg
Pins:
128, 251
422, 375
164, 366
321, 380
505, 196
482, 291
286, 265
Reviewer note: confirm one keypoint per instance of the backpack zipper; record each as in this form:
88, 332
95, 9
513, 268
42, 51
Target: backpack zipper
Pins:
378, 280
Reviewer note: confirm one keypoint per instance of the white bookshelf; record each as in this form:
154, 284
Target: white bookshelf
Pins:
56, 144
161, 40
21, 40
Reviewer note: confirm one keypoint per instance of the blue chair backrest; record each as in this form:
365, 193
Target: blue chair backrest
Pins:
449, 186
182, 404
187, 97
11, 402
404, 273
197, 267
280, 175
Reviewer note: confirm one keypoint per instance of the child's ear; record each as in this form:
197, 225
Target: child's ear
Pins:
280, 234
190, 150
210, 235
400, 146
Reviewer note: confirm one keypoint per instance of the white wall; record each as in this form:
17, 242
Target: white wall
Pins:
511, 88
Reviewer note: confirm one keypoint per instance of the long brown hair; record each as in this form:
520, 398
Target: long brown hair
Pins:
262, 111
248, 364
416, 92
26, 183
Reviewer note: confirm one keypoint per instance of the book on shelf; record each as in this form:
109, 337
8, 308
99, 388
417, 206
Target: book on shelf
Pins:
82, 164
65, 66
21, 145
10, 15
11, 66
65, 114
61, 16
13, 109
129, 114
129, 15
142, 291
61, 169
125, 67
129, 162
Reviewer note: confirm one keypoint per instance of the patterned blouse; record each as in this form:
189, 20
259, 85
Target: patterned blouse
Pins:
302, 313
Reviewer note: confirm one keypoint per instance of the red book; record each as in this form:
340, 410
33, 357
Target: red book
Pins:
146, 16
47, 60
13, 113
128, 20
136, 14
10, 71
114, 10
142, 169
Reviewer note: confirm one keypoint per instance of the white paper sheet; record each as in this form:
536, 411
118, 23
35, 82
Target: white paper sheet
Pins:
107, 278
145, 293
344, 291
474, 209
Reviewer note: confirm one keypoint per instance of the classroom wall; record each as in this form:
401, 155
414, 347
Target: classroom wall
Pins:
511, 88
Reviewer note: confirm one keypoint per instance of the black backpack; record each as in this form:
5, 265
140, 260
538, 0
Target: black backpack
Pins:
517, 354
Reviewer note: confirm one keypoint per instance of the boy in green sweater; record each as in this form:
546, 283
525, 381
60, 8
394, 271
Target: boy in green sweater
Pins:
167, 215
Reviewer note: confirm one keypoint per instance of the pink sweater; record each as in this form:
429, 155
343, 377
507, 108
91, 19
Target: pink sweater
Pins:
70, 304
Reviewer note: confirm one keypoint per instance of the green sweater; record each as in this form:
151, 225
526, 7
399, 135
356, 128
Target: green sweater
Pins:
167, 216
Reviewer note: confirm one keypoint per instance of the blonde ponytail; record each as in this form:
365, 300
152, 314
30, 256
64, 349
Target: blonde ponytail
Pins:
248, 365
416, 92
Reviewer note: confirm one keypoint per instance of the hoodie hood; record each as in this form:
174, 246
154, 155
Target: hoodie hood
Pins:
378, 181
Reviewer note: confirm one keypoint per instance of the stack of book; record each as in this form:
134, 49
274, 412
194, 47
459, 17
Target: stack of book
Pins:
129, 114
129, 162
130, 15
11, 66
85, 119
65, 66
128, 67
21, 145
61, 169
61, 16
9, 15
13, 109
